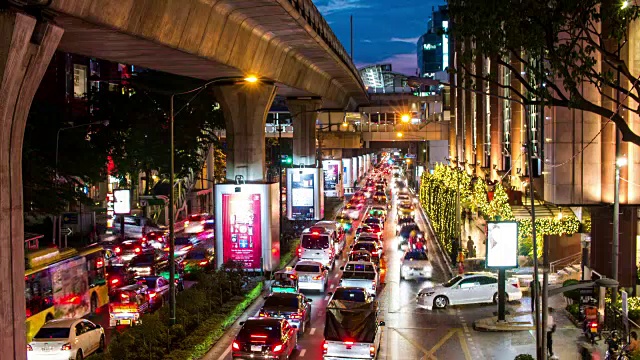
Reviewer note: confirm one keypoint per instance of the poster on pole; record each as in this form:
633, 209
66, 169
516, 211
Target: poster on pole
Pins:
302, 192
122, 202
502, 244
241, 229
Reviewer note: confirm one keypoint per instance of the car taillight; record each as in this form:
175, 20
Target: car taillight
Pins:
235, 345
516, 285
152, 295
66, 346
203, 263
262, 314
115, 281
166, 248
593, 324
373, 284
277, 348
295, 316
319, 277
348, 342
372, 351
325, 347
137, 250
29, 348
117, 250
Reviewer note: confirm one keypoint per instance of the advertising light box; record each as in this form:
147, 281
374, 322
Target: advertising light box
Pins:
248, 230
502, 244
332, 178
305, 199
122, 202
354, 169
347, 175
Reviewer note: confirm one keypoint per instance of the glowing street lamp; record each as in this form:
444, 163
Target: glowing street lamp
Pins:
399, 134
251, 79
405, 118
625, 4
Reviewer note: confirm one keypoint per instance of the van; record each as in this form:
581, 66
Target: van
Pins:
316, 244
136, 226
336, 233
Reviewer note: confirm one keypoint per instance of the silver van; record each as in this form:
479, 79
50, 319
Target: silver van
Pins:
336, 233
136, 226
316, 244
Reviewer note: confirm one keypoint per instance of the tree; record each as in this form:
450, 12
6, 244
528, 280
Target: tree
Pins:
571, 37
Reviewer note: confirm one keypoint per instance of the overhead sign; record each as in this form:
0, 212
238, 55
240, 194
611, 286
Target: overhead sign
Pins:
70, 218
122, 201
66, 231
241, 229
502, 244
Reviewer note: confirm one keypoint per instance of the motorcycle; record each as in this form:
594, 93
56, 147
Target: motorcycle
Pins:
590, 328
616, 349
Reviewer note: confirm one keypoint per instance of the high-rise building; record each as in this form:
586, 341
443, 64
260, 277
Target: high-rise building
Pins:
433, 46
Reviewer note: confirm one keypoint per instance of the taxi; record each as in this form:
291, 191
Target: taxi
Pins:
285, 281
127, 304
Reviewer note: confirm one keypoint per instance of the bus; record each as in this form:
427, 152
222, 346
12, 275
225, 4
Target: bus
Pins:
63, 283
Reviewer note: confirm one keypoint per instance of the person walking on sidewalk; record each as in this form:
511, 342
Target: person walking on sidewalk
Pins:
470, 247
551, 328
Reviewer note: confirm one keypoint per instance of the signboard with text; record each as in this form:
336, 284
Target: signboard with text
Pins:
241, 229
502, 244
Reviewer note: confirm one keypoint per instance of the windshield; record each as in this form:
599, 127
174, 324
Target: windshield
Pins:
150, 282
52, 333
315, 242
308, 268
114, 270
281, 301
364, 246
416, 255
372, 221
359, 267
142, 259
258, 328
349, 295
408, 229
452, 282
183, 241
196, 255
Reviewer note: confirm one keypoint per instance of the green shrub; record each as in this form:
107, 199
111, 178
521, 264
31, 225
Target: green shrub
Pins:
574, 310
524, 357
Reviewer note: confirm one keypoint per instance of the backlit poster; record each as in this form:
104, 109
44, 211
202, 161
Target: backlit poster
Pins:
502, 244
241, 229
302, 194
331, 172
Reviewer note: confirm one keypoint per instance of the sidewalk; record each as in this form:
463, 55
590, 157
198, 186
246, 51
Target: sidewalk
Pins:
475, 229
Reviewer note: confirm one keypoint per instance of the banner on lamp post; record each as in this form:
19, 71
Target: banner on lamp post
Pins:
502, 244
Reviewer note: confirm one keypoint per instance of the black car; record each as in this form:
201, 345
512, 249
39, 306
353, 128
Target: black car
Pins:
294, 307
265, 338
156, 262
118, 275
158, 289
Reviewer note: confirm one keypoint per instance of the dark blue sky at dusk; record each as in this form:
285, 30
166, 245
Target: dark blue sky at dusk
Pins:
385, 31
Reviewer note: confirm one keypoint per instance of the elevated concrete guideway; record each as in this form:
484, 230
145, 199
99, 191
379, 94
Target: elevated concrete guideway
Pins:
286, 41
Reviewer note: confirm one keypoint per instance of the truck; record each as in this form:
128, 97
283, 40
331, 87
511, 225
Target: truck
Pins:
351, 331
360, 274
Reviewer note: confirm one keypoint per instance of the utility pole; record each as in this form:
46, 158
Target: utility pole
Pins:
616, 204
280, 174
172, 239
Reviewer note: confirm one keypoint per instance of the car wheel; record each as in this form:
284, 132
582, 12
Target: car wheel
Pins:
440, 302
79, 355
101, 346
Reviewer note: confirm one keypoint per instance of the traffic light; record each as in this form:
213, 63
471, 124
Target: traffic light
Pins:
286, 159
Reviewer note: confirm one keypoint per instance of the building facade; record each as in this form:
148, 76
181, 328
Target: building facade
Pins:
433, 46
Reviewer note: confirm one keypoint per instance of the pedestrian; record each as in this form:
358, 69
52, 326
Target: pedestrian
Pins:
454, 250
551, 328
470, 247
533, 291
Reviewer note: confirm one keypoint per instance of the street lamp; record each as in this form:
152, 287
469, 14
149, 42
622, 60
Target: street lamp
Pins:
105, 123
172, 243
621, 161
405, 118
399, 134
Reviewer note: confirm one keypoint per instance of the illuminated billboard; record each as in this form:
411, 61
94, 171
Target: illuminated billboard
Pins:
122, 202
332, 183
305, 194
241, 229
502, 244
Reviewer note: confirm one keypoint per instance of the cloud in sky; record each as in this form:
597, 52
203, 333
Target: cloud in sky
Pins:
333, 6
411, 40
367, 41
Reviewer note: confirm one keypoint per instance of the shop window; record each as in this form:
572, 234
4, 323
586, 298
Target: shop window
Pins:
79, 81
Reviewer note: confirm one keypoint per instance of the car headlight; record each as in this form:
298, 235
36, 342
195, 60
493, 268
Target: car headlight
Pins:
426, 268
429, 293
412, 213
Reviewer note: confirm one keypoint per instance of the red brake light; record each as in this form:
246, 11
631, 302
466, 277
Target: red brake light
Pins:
66, 346
319, 277
115, 281
117, 250
137, 250
593, 324
259, 336
152, 295
315, 233
372, 350
99, 263
277, 348
348, 342
235, 345
203, 263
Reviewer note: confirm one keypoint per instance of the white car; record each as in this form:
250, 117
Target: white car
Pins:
403, 198
65, 339
311, 275
470, 288
415, 265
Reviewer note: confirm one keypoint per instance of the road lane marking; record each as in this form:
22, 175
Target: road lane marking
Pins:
226, 352
326, 298
414, 344
336, 276
312, 331
443, 340
302, 352
465, 347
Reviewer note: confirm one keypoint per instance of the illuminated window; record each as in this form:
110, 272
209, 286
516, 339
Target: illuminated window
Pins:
79, 81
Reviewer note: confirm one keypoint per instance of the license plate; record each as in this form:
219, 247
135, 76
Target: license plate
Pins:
256, 347
125, 322
594, 330
304, 278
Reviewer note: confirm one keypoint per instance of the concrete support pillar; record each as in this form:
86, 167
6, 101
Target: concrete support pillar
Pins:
496, 128
304, 116
26, 47
245, 109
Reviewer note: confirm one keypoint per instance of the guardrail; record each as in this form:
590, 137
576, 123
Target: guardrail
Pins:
564, 262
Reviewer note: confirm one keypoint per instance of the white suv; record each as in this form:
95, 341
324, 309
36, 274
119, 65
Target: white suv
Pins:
311, 275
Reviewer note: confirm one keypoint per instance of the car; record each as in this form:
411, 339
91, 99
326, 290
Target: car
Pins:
346, 223
149, 262
415, 265
370, 246
378, 211
364, 228
372, 220
127, 249
294, 307
65, 339
375, 237
361, 274
198, 258
316, 243
380, 197
400, 223
405, 233
194, 223
359, 255
356, 294
470, 288
406, 210
266, 338
402, 198
128, 303
352, 211
158, 289
156, 239
311, 275
118, 275
183, 244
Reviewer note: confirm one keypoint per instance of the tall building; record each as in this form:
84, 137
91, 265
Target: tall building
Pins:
380, 78
433, 46
574, 159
